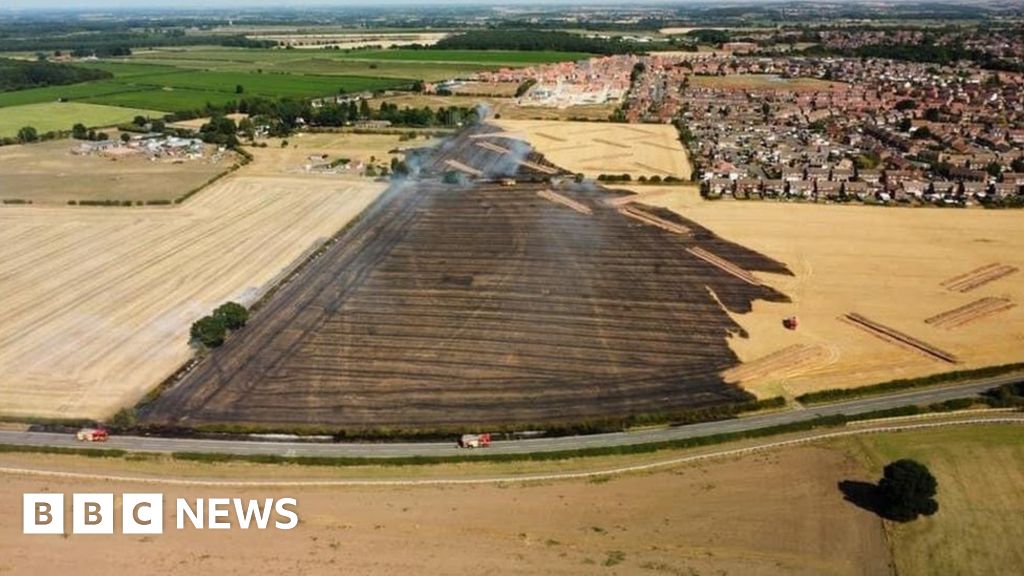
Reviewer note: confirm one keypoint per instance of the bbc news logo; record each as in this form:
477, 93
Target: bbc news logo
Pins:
144, 513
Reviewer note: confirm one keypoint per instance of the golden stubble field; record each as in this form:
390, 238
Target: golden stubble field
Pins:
595, 148
712, 518
884, 263
96, 303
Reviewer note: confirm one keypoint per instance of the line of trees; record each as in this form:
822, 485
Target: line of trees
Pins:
212, 330
284, 116
536, 40
21, 74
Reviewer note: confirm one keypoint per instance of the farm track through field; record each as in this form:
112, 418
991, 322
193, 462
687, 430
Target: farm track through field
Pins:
483, 304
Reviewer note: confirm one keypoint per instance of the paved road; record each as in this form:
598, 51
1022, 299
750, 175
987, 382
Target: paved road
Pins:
385, 450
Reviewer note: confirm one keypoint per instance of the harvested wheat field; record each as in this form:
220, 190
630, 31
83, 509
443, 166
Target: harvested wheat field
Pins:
714, 518
945, 280
48, 173
595, 148
96, 303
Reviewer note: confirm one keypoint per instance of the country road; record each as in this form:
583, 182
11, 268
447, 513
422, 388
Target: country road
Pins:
392, 450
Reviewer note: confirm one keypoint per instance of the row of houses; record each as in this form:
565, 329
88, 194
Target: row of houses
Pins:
921, 191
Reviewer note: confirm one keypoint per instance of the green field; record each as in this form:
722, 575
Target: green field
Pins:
501, 57
55, 93
416, 64
178, 79
123, 69
181, 89
63, 115
167, 100
980, 523
269, 85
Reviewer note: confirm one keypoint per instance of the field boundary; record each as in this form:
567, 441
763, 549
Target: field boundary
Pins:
636, 468
936, 380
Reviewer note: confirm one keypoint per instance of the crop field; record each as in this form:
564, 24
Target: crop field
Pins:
48, 173
175, 79
269, 85
447, 306
169, 89
902, 268
96, 303
51, 94
45, 117
606, 148
497, 57
125, 69
396, 63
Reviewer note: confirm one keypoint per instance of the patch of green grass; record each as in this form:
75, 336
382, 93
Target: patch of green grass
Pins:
45, 117
55, 93
170, 100
405, 64
129, 69
980, 522
268, 85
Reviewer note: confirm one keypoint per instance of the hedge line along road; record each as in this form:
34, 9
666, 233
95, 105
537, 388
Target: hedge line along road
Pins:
393, 450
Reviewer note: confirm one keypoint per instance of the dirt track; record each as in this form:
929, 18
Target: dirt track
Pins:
450, 306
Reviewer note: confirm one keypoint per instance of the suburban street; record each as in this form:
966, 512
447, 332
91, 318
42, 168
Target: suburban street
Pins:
391, 450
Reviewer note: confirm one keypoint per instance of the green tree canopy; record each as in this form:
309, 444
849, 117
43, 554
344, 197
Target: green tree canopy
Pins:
209, 331
28, 134
232, 314
907, 490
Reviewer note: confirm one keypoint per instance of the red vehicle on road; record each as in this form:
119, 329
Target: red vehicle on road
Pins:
475, 441
93, 435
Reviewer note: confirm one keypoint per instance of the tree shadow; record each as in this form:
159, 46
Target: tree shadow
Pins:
863, 495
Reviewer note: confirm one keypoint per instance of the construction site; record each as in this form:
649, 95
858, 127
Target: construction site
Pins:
506, 296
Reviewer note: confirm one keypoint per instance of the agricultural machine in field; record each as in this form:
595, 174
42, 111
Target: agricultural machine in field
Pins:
93, 435
475, 441
790, 323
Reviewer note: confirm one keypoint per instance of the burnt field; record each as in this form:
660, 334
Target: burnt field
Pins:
484, 305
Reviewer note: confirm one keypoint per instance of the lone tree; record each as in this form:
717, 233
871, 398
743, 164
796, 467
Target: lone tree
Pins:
907, 490
232, 314
209, 331
27, 134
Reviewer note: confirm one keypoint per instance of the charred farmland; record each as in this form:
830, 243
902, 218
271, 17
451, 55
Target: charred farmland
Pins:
485, 304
